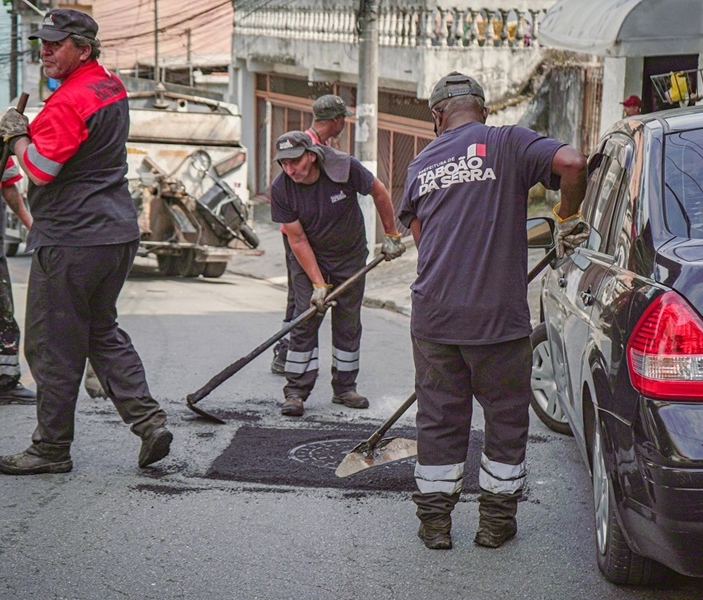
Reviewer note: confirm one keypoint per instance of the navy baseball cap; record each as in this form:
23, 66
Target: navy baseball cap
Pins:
60, 23
455, 84
294, 144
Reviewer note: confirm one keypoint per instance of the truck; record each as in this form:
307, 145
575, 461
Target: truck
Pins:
187, 178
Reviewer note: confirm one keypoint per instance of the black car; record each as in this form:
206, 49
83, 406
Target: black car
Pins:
618, 359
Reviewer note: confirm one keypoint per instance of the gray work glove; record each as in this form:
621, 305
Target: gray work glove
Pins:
319, 293
392, 247
571, 232
13, 125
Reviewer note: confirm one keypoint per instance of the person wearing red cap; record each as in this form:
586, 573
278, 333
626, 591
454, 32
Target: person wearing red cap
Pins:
632, 105
85, 237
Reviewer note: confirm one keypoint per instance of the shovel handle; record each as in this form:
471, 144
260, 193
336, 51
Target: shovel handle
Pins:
381, 431
227, 372
21, 105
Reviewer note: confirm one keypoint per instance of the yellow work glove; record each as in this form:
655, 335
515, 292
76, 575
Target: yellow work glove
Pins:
319, 293
571, 232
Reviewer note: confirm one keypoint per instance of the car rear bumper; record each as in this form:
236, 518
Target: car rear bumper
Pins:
666, 521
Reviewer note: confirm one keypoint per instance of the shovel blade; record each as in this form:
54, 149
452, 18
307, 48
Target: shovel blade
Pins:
387, 450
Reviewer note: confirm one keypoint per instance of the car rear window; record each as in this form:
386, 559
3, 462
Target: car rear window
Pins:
683, 183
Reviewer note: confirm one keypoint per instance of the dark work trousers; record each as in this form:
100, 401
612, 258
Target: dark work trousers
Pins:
9, 330
71, 317
290, 299
447, 379
302, 359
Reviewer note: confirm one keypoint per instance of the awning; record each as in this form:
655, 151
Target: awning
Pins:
625, 27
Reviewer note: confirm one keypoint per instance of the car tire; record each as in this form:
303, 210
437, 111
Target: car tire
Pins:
618, 563
544, 388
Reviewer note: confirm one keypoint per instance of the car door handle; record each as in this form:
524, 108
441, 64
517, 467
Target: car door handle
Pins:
587, 297
562, 281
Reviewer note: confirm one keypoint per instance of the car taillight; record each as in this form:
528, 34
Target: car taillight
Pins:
665, 351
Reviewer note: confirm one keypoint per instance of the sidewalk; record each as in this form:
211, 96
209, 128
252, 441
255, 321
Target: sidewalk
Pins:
387, 286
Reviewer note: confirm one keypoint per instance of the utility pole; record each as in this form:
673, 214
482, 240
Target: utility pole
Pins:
14, 51
189, 60
366, 132
157, 72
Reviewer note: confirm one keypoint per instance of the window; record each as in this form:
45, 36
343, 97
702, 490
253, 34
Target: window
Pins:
683, 183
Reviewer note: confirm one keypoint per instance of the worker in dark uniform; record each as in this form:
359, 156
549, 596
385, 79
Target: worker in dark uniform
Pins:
465, 201
85, 237
316, 200
11, 390
329, 114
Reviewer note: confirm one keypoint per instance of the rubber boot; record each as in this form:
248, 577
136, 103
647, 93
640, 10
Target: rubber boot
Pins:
496, 522
434, 511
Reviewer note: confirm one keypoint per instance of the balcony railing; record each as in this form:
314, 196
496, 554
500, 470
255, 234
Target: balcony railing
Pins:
400, 27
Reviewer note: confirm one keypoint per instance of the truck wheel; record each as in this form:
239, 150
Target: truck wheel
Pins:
249, 236
187, 265
167, 264
11, 248
214, 269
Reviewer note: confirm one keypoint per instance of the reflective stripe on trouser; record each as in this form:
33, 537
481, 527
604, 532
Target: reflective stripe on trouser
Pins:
499, 478
71, 317
346, 329
9, 330
447, 479
498, 376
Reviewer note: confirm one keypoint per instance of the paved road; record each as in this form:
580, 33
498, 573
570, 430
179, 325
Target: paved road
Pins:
110, 530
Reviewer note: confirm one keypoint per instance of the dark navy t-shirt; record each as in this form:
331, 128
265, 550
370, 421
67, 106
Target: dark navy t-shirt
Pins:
469, 190
329, 212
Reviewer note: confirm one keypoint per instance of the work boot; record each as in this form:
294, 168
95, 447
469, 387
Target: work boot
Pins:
496, 523
280, 352
16, 393
293, 406
434, 511
351, 399
436, 534
30, 462
155, 446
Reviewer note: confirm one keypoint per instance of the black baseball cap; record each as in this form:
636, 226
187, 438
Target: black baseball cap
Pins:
294, 144
60, 23
455, 84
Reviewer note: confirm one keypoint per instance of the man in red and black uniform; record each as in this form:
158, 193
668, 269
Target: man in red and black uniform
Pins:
11, 390
85, 237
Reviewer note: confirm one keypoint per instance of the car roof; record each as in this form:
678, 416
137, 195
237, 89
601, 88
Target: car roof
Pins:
675, 119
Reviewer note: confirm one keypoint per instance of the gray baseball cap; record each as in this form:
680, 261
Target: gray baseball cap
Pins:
330, 107
60, 23
294, 144
455, 84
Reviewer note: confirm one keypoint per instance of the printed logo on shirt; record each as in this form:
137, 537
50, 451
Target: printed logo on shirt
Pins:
464, 169
338, 197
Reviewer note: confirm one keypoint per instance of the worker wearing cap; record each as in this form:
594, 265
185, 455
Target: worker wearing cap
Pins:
631, 106
85, 237
11, 390
315, 198
465, 202
329, 114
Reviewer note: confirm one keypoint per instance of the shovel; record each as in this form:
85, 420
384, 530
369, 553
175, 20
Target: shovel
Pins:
377, 451
227, 372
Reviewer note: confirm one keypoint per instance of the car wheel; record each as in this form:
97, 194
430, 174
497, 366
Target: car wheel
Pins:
544, 388
615, 559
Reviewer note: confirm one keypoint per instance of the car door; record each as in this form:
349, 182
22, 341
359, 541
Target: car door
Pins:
580, 275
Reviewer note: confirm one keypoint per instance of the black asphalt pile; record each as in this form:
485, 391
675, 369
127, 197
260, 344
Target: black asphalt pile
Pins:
309, 457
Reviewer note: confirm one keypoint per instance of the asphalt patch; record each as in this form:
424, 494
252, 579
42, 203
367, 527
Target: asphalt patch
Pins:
309, 457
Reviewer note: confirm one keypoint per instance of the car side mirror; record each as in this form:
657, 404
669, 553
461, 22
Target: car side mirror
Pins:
540, 232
